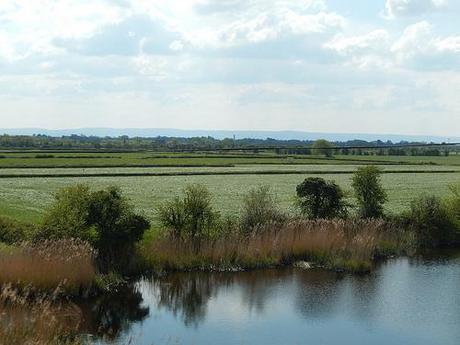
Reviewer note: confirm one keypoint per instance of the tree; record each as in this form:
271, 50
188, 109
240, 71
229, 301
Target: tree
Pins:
369, 192
432, 220
192, 216
103, 218
318, 198
322, 147
259, 208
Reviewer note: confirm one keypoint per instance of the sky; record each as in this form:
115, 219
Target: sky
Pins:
376, 66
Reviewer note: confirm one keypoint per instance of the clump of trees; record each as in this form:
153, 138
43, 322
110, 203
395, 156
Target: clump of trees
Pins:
190, 217
320, 199
322, 147
103, 218
259, 208
431, 220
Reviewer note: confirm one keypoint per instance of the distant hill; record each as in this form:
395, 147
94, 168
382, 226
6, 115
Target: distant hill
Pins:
221, 134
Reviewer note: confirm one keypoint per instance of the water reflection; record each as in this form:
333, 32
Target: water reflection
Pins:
405, 301
110, 315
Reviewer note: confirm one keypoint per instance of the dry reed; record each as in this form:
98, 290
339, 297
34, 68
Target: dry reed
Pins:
349, 244
44, 266
32, 319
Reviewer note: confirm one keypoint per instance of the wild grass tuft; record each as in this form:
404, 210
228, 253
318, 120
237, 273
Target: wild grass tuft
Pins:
44, 266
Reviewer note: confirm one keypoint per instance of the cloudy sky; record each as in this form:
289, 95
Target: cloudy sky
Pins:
376, 66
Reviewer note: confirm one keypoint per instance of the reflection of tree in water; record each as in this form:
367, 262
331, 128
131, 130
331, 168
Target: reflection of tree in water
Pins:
317, 293
187, 294
258, 287
109, 315
322, 293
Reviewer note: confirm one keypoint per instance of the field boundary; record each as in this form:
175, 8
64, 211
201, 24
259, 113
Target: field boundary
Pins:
219, 173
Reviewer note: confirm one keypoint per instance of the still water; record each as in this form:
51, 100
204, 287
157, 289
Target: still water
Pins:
404, 301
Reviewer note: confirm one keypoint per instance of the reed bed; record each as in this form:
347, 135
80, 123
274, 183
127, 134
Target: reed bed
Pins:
68, 264
31, 319
346, 244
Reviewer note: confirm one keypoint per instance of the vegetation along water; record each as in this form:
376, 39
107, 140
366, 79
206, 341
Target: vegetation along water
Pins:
103, 252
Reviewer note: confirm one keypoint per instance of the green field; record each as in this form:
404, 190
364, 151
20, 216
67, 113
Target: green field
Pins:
25, 198
146, 159
27, 195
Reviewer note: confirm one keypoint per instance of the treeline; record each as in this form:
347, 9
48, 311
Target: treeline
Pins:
291, 147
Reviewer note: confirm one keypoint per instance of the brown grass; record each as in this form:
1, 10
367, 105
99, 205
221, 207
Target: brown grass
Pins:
45, 266
36, 319
348, 244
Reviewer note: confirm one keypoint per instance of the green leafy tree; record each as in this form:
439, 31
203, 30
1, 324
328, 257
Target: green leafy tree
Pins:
369, 191
432, 221
104, 218
318, 198
322, 147
192, 216
259, 208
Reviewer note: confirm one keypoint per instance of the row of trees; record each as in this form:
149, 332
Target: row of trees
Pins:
291, 147
106, 219
434, 221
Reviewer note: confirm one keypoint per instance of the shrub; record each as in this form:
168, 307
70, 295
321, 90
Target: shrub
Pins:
318, 198
431, 220
68, 216
192, 216
322, 147
104, 218
369, 192
259, 208
12, 231
453, 203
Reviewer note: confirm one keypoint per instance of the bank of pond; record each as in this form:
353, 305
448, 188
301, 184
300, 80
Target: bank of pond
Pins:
91, 244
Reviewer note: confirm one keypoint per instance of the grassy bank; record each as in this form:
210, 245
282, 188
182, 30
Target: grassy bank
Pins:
350, 245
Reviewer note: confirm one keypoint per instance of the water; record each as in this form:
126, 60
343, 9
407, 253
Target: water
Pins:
404, 301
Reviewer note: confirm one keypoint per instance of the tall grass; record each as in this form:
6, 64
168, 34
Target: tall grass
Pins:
36, 319
347, 244
47, 265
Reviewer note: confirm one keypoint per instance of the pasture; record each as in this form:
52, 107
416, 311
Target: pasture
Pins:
26, 198
29, 179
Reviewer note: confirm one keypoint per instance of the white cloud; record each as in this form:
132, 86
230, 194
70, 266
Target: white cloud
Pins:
256, 63
365, 51
401, 8
277, 24
345, 45
420, 48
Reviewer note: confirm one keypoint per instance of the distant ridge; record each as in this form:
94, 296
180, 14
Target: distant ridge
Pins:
221, 134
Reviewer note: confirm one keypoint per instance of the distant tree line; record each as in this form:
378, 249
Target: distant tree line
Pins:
286, 147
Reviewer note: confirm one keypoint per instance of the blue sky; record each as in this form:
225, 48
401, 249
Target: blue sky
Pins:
377, 66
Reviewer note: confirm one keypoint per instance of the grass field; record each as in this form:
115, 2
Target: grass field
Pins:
228, 176
25, 198
146, 159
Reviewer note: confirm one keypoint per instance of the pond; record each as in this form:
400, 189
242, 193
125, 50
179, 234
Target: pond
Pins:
404, 301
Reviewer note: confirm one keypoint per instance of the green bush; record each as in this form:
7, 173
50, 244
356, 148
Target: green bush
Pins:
259, 208
320, 199
453, 203
12, 231
432, 221
192, 216
322, 147
369, 192
68, 215
103, 218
